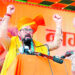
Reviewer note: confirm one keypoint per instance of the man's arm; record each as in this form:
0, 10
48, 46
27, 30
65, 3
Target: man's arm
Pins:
5, 20
58, 35
4, 39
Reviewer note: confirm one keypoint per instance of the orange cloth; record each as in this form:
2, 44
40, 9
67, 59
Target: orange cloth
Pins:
37, 65
33, 23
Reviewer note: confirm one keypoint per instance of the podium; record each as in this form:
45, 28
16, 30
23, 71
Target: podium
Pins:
37, 65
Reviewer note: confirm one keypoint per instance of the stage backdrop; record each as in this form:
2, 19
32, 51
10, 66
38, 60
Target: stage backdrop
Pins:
45, 33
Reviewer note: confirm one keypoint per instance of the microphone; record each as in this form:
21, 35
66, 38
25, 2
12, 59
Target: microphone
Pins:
21, 50
58, 60
68, 53
54, 58
27, 50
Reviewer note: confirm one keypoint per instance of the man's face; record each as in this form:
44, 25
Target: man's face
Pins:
26, 33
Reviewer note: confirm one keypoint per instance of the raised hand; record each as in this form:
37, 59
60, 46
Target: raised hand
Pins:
10, 9
57, 18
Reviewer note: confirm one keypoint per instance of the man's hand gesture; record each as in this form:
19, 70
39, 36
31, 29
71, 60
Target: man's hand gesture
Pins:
10, 9
57, 18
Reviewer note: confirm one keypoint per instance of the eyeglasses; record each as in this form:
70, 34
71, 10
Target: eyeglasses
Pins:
26, 30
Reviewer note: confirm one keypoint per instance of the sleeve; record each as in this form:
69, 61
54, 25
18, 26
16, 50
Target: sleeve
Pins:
4, 26
57, 39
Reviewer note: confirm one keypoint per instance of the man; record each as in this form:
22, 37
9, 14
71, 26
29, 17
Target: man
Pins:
26, 28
